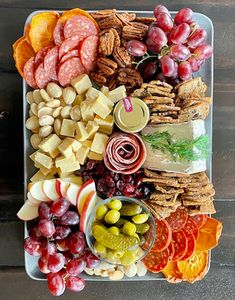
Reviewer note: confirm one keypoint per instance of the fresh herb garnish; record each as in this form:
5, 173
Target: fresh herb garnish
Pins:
190, 150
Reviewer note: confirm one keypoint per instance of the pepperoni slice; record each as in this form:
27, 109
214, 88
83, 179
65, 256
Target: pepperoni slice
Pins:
191, 247
68, 45
171, 250
58, 33
28, 71
177, 219
51, 61
163, 236
156, 261
41, 76
180, 245
191, 227
88, 52
70, 54
200, 220
79, 25
69, 69
39, 57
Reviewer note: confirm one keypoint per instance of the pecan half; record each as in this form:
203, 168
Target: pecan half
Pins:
135, 30
126, 17
122, 57
110, 22
106, 65
98, 78
106, 42
129, 77
145, 20
117, 41
113, 82
101, 14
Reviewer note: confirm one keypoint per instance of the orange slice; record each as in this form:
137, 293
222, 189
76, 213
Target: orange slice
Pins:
194, 268
23, 51
172, 273
41, 30
209, 235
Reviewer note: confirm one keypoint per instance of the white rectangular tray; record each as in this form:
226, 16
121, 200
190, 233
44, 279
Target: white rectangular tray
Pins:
206, 72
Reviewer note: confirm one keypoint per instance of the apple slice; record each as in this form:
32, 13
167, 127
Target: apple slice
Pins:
32, 200
28, 211
84, 191
86, 210
72, 193
36, 191
63, 188
49, 189
58, 187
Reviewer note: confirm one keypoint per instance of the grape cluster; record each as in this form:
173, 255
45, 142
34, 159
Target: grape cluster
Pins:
61, 247
179, 44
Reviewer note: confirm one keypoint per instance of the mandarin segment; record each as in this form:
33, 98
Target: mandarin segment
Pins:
172, 273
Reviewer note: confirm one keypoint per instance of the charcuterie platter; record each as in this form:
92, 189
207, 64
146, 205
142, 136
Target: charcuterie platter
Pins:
118, 122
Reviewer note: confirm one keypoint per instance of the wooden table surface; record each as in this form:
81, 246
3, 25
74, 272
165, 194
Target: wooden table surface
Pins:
220, 281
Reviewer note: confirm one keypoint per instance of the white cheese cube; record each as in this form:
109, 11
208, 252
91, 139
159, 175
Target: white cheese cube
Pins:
81, 132
43, 159
117, 94
95, 156
101, 108
105, 99
92, 93
105, 90
87, 111
81, 155
68, 128
105, 125
68, 146
99, 143
87, 143
91, 128
81, 83
67, 164
50, 144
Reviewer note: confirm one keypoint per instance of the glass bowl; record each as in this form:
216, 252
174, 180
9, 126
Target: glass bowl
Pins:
144, 246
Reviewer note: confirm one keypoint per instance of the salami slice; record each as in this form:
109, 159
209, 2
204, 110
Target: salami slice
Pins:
41, 77
180, 245
28, 71
70, 54
171, 250
177, 219
191, 227
156, 261
163, 236
88, 52
191, 246
200, 220
79, 25
39, 57
50, 62
69, 69
58, 33
68, 45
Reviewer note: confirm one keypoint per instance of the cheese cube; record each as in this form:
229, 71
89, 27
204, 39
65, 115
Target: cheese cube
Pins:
63, 175
105, 125
54, 153
67, 164
81, 83
50, 145
81, 155
87, 143
105, 90
117, 94
91, 129
68, 146
74, 179
105, 100
81, 132
42, 169
68, 127
37, 176
32, 156
43, 159
86, 108
92, 93
99, 143
101, 108
78, 100
95, 156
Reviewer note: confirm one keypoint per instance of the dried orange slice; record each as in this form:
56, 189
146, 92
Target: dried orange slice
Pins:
172, 273
41, 30
209, 235
195, 267
23, 51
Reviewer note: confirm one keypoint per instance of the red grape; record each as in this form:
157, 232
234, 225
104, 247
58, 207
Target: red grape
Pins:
76, 243
180, 34
59, 207
56, 284
148, 71
159, 9
160, 76
184, 15
42, 265
91, 260
62, 245
70, 218
61, 232
164, 21
167, 65
46, 227
176, 74
76, 266
179, 52
33, 246
156, 38
197, 38
75, 284
195, 63
44, 211
185, 70
34, 232
203, 51
56, 262
68, 256
136, 48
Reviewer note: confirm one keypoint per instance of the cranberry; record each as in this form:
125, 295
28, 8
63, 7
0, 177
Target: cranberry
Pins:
139, 193
101, 184
86, 178
100, 169
90, 165
109, 181
114, 175
126, 178
120, 185
138, 172
146, 190
128, 189
111, 192
138, 181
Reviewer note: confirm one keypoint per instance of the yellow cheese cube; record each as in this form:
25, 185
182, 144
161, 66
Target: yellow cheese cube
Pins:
67, 164
92, 93
68, 127
91, 128
37, 176
86, 108
105, 90
74, 179
81, 132
63, 175
78, 100
95, 156
104, 99
44, 170
117, 94
32, 156
50, 144
54, 153
101, 108
105, 125
87, 143
68, 145
81, 83
81, 155
43, 159
99, 143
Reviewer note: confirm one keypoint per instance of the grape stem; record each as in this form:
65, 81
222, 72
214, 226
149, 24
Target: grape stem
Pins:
145, 57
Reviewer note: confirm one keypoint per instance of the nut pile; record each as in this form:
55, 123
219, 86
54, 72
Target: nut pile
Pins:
186, 102
194, 192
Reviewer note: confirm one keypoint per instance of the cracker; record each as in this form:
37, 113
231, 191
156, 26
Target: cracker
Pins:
158, 100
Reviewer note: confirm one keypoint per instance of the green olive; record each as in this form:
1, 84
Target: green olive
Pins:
140, 219
114, 230
112, 216
129, 228
101, 211
128, 258
115, 204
